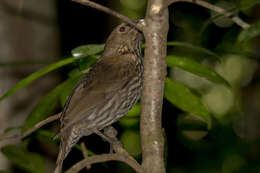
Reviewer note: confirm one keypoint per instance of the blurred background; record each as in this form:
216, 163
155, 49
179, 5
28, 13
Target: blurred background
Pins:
34, 34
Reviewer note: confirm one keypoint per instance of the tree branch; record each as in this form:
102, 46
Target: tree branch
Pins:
85, 153
109, 11
120, 155
105, 158
31, 130
217, 9
155, 32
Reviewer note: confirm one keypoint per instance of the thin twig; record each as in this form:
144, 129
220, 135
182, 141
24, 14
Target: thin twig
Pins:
109, 11
85, 153
31, 130
120, 155
217, 9
105, 158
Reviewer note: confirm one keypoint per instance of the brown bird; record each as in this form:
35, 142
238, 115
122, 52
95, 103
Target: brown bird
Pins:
106, 93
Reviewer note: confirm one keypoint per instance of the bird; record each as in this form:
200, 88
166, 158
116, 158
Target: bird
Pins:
106, 93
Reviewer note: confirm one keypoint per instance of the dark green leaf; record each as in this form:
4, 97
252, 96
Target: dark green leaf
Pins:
132, 117
195, 68
87, 50
251, 32
45, 135
183, 98
134, 112
85, 63
194, 47
48, 103
190, 122
68, 88
27, 161
36, 75
245, 4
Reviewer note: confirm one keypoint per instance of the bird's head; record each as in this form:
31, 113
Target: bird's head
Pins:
124, 39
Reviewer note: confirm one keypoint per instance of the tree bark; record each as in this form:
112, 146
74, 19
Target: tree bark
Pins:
155, 32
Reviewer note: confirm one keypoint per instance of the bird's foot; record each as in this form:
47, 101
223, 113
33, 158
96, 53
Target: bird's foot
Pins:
115, 144
109, 135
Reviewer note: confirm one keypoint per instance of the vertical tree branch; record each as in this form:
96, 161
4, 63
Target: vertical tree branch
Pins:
155, 31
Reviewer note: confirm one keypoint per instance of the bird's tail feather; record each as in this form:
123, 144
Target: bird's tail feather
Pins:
63, 152
67, 142
58, 168
60, 158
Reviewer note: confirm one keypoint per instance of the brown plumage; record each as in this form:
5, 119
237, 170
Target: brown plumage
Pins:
106, 93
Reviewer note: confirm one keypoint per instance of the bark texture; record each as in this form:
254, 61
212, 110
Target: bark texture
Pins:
155, 32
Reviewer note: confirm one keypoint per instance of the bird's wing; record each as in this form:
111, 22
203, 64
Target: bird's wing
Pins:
102, 82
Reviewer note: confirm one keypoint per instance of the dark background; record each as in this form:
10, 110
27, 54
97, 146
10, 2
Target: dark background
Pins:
34, 37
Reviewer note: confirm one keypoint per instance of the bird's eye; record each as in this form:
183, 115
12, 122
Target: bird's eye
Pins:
122, 29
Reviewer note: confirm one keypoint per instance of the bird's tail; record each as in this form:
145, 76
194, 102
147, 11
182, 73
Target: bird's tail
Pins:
58, 168
61, 156
67, 142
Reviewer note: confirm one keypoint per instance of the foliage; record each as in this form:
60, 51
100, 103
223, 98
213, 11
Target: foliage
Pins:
28, 161
200, 84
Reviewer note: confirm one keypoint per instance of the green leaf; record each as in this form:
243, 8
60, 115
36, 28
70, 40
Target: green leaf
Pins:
190, 122
79, 52
68, 88
195, 68
132, 117
48, 103
87, 50
85, 63
194, 47
183, 98
36, 75
45, 135
245, 4
27, 161
251, 32
134, 112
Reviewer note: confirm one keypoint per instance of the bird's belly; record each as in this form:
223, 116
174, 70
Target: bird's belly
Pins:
119, 105
129, 98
